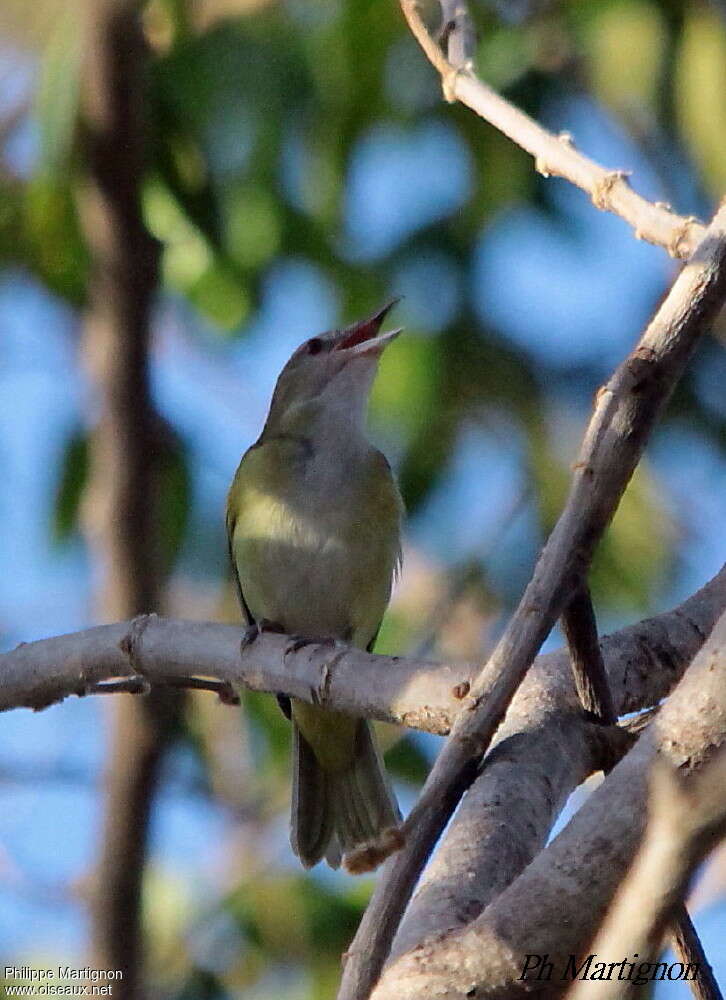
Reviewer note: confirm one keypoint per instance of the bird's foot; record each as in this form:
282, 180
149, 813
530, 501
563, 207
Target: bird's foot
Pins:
298, 641
255, 630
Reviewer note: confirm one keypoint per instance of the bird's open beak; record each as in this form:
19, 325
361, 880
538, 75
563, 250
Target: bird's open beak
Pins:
364, 337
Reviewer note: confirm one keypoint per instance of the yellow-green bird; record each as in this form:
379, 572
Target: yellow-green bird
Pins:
314, 526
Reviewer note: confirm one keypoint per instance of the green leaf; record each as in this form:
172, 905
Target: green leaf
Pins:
174, 499
58, 96
220, 297
406, 760
72, 481
54, 244
272, 729
636, 551
56, 248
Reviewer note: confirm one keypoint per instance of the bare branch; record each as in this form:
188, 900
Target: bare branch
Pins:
556, 156
588, 668
685, 821
593, 690
644, 661
461, 578
458, 32
544, 750
542, 754
689, 950
625, 413
579, 872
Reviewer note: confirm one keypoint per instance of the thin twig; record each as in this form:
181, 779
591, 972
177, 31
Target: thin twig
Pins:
140, 685
457, 33
688, 949
638, 723
462, 577
556, 156
625, 412
121, 685
223, 689
588, 668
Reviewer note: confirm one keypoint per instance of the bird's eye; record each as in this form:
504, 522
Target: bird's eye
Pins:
315, 345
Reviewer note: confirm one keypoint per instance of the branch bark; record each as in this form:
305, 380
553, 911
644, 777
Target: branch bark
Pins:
590, 676
554, 155
568, 887
542, 751
545, 749
686, 819
644, 661
588, 669
626, 410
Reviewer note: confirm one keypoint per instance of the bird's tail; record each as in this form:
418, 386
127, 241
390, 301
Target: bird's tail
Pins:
350, 813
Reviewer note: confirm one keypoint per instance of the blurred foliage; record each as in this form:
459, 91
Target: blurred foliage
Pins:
627, 548
71, 483
174, 491
259, 113
701, 79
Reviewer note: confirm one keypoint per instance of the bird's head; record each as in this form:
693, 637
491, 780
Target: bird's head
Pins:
329, 376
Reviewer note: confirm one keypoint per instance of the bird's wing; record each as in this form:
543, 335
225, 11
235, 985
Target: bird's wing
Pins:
398, 501
230, 523
371, 644
282, 699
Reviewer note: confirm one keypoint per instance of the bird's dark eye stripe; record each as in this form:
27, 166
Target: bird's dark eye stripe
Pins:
315, 345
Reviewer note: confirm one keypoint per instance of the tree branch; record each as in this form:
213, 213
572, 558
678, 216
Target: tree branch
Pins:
687, 948
625, 412
541, 755
554, 155
568, 887
644, 661
580, 628
684, 823
588, 668
545, 749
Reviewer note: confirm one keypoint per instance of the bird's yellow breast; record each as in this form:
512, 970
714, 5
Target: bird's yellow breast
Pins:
315, 545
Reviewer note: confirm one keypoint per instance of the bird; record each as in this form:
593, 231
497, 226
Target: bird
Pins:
314, 521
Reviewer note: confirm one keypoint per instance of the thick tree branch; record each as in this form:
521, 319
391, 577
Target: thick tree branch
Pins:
626, 410
568, 887
541, 756
685, 821
593, 690
554, 155
644, 661
544, 750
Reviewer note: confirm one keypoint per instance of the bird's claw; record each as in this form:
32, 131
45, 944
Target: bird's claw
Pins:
298, 641
250, 634
255, 630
